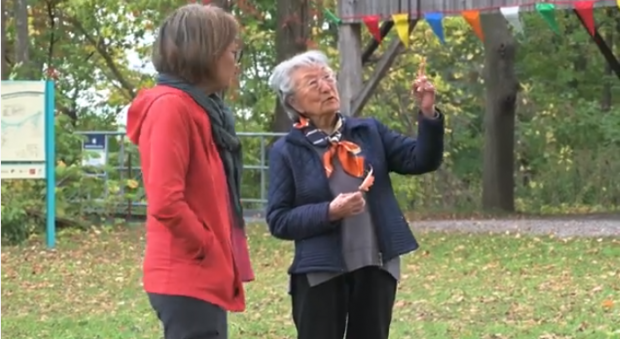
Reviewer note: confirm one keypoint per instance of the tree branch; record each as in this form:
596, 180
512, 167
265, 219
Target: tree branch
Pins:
130, 91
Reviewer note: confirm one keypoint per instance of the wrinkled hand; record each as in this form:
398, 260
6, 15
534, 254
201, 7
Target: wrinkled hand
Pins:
424, 92
345, 205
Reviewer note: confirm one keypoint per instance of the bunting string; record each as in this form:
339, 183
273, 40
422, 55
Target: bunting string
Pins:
546, 10
528, 6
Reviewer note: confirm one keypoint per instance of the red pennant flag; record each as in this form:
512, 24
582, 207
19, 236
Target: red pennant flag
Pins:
585, 9
372, 22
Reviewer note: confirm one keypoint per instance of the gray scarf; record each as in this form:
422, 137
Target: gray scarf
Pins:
224, 135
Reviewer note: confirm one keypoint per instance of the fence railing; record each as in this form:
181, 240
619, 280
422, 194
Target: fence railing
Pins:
122, 163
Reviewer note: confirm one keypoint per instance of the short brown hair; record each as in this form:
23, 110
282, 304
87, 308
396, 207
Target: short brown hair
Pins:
191, 40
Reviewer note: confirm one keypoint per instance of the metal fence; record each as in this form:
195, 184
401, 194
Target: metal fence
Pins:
122, 163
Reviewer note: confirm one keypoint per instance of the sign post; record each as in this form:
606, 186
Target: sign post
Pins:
28, 139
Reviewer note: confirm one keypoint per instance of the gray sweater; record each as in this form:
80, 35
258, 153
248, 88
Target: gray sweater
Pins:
359, 241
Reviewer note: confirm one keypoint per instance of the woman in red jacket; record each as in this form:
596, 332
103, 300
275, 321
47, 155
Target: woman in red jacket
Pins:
196, 251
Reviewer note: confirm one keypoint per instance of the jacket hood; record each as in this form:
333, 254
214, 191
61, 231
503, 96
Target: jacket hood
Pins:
138, 111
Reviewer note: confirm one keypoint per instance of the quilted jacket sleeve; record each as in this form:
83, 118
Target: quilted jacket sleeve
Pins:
406, 155
286, 221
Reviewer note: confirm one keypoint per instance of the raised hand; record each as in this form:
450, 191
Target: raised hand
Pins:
424, 92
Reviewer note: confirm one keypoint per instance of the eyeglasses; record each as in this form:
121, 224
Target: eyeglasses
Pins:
315, 82
238, 56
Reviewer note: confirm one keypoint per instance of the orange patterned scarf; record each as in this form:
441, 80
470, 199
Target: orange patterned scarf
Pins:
348, 153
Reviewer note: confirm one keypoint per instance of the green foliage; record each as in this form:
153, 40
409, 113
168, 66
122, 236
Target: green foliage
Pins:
82, 195
568, 119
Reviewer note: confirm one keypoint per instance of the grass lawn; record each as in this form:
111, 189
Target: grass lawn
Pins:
457, 286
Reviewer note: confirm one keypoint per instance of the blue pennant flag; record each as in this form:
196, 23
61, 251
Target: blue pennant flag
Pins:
435, 20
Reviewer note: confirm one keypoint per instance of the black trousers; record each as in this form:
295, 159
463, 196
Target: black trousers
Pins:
359, 303
189, 318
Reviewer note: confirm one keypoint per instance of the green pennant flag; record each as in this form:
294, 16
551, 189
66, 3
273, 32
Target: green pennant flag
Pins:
332, 17
547, 11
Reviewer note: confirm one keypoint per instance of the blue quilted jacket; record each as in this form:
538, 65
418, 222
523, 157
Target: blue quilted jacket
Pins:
299, 193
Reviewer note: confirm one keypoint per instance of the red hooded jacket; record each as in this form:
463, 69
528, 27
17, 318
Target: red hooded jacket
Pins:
189, 243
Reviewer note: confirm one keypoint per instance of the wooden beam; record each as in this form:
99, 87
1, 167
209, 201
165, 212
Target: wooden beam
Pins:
350, 47
350, 75
613, 62
502, 86
372, 46
383, 66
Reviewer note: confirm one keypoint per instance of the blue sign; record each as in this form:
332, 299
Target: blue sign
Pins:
95, 142
96, 147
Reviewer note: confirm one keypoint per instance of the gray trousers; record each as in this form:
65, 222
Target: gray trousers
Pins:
189, 318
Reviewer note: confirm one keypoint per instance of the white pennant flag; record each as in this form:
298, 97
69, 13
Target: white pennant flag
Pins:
511, 14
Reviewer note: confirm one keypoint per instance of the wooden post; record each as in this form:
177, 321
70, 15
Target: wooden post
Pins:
499, 131
350, 50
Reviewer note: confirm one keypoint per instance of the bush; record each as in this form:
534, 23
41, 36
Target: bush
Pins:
81, 195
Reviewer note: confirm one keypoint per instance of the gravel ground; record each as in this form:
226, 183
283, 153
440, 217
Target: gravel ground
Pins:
562, 227
601, 225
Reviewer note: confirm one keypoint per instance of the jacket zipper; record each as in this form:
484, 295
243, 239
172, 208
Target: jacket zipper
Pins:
343, 266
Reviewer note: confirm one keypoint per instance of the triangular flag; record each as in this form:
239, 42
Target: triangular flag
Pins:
473, 19
435, 20
585, 9
547, 11
332, 17
372, 23
401, 22
511, 14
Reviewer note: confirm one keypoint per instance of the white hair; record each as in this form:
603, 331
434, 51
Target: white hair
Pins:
282, 83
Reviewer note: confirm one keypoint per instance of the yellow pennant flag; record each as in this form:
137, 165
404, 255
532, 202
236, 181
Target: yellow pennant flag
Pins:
401, 22
618, 1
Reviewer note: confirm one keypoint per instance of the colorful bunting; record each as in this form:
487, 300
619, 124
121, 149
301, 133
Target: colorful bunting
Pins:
372, 23
435, 20
585, 9
547, 11
401, 22
473, 19
332, 17
511, 14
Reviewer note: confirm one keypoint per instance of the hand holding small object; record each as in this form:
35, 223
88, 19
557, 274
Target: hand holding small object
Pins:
424, 92
345, 205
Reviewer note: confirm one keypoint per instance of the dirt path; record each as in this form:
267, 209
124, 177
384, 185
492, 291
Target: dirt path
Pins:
594, 225
562, 227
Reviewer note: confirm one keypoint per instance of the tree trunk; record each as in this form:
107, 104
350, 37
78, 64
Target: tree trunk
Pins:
22, 42
5, 64
292, 34
499, 124
225, 5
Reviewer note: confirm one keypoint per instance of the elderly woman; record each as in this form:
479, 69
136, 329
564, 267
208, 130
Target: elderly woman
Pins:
196, 252
349, 232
